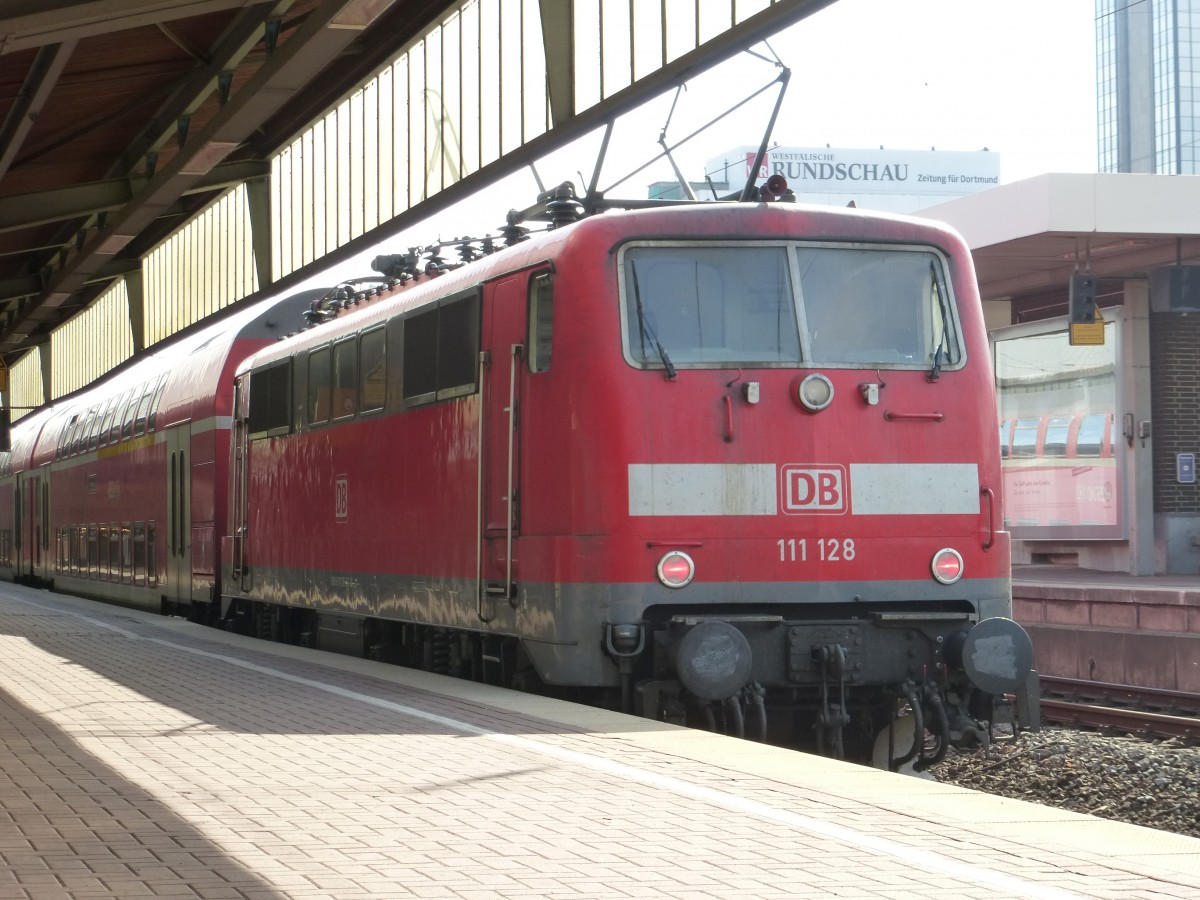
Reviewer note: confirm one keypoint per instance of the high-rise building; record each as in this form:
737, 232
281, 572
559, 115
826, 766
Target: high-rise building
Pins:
1148, 86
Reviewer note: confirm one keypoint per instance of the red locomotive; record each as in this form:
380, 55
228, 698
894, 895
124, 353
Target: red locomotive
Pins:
726, 464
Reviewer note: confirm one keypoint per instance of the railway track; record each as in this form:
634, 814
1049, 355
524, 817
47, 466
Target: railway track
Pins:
1122, 708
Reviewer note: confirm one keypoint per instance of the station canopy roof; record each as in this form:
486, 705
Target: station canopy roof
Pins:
121, 118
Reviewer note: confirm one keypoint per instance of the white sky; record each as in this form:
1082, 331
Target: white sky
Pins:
1017, 77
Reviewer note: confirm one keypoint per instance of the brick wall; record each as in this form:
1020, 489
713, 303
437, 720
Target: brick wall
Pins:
1175, 406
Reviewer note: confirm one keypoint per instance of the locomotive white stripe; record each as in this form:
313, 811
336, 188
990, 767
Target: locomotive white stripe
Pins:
876, 489
844, 834
914, 489
702, 490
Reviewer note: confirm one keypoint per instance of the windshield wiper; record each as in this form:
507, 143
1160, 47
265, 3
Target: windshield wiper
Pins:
941, 353
644, 328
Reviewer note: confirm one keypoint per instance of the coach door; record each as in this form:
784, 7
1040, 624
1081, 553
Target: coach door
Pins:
500, 382
239, 438
25, 525
43, 563
178, 525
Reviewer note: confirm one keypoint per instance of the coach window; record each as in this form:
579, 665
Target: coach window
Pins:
93, 552
127, 553
143, 410
114, 552
115, 432
345, 378
151, 560
75, 430
106, 422
541, 321
127, 416
1025, 436
102, 550
94, 419
1090, 439
97, 427
318, 386
373, 370
139, 552
271, 399
1055, 441
152, 423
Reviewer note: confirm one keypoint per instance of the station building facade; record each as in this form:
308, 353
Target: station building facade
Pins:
1100, 430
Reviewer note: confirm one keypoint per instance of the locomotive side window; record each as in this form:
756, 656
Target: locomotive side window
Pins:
420, 357
372, 351
345, 379
440, 351
724, 304
458, 347
270, 400
318, 386
541, 321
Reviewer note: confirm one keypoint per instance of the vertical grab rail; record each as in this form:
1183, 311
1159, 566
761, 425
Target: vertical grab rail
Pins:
514, 355
991, 499
480, 592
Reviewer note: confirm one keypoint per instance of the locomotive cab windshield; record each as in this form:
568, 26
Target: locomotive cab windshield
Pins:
721, 304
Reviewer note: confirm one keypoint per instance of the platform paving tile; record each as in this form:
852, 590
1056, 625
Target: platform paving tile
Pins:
321, 779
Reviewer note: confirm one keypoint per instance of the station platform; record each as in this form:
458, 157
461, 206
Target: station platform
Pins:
143, 756
1110, 627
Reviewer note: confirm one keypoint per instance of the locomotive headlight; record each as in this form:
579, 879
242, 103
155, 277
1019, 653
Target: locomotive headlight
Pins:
815, 392
676, 569
947, 565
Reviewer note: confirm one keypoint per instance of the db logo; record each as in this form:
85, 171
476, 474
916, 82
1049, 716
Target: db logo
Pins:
341, 497
814, 489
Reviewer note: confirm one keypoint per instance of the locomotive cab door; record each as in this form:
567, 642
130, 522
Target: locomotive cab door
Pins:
178, 584
501, 371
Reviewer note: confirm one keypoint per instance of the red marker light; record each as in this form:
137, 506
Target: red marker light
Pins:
947, 566
676, 569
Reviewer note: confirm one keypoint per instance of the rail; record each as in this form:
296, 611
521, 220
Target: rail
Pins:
1123, 708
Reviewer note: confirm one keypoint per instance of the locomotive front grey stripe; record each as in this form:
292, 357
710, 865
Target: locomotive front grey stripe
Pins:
914, 489
876, 489
702, 490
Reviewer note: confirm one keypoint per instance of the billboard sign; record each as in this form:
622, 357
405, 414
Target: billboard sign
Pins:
856, 172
